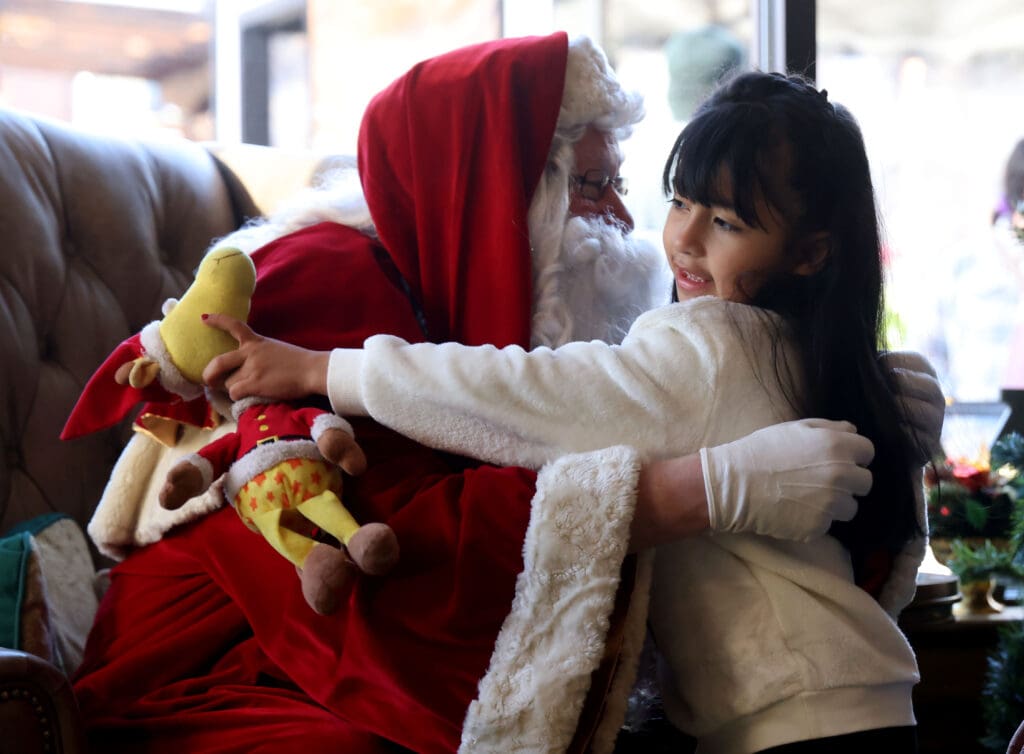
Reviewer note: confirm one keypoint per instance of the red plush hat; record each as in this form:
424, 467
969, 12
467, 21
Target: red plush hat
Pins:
104, 402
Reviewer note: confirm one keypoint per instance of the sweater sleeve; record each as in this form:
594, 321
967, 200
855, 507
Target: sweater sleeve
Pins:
899, 588
655, 392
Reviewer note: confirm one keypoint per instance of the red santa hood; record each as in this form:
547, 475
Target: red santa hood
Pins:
449, 156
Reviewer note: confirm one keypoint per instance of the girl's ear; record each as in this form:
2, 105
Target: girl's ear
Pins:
813, 253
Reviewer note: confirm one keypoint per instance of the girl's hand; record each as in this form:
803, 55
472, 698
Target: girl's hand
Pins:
264, 367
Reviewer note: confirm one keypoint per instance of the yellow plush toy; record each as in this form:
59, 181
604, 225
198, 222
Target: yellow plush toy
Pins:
182, 346
281, 465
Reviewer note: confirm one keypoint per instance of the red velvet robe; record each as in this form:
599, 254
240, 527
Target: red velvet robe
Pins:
203, 641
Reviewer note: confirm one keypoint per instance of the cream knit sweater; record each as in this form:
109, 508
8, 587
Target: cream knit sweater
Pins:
765, 641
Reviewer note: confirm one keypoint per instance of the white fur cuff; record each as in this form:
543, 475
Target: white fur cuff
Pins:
553, 638
325, 422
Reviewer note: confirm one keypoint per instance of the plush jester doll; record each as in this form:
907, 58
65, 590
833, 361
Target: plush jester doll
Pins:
281, 466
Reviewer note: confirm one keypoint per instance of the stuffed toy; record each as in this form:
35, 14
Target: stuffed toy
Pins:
282, 464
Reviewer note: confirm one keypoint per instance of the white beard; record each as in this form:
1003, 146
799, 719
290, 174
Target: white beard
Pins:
598, 281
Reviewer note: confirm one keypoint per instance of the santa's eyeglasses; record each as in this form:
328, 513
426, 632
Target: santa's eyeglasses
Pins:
592, 184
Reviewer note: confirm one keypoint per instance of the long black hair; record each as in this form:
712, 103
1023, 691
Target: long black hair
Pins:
776, 137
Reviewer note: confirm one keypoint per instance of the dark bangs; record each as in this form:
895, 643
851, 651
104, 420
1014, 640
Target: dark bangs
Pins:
728, 146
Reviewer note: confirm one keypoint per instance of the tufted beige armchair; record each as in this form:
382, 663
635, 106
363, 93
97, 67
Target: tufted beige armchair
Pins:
95, 233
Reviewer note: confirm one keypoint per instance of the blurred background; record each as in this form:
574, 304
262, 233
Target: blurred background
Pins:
935, 84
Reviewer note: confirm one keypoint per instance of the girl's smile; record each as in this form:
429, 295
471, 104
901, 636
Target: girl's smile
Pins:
694, 283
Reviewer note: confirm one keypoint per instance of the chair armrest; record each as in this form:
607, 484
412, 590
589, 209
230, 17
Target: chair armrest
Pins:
38, 711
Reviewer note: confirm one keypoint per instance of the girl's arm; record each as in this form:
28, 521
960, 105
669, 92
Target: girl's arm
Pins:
788, 481
510, 406
506, 406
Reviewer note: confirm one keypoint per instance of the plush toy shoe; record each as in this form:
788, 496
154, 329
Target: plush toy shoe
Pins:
374, 548
327, 578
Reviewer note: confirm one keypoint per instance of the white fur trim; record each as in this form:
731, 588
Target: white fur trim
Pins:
264, 457
336, 197
204, 466
553, 638
240, 406
129, 514
593, 94
220, 402
170, 377
325, 422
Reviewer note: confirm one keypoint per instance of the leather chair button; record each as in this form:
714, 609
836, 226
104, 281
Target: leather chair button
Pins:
14, 459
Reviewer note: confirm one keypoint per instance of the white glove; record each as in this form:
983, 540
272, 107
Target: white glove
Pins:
919, 394
788, 481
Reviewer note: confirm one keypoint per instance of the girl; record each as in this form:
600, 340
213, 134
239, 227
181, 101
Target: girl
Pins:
773, 240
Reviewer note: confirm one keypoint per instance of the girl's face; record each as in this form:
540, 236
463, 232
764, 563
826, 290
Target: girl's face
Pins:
713, 252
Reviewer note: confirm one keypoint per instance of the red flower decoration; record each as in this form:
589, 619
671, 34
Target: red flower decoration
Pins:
971, 477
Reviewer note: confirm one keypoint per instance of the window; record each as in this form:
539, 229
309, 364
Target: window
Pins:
131, 68
936, 87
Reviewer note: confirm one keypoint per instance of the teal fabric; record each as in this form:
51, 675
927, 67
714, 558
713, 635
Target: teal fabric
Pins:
35, 525
15, 548
14, 551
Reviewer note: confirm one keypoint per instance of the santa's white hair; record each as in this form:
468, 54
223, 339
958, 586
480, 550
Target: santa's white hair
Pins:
334, 196
591, 279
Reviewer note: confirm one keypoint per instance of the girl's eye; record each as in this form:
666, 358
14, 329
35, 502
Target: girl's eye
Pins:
678, 202
726, 225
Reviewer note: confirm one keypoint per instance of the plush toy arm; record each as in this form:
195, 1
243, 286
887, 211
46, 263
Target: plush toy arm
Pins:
191, 476
337, 443
139, 373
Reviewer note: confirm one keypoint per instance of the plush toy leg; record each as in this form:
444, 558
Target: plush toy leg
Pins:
325, 573
292, 545
373, 547
327, 511
327, 578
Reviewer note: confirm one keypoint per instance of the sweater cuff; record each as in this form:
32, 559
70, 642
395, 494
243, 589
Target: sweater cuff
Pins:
344, 390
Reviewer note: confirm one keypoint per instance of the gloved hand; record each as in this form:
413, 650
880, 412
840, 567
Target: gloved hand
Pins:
920, 396
788, 481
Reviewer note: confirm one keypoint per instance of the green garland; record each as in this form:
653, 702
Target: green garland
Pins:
1002, 704
1002, 701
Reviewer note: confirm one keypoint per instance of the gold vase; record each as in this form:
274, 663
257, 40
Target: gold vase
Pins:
978, 599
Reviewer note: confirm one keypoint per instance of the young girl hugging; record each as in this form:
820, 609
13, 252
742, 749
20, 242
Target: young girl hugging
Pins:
773, 239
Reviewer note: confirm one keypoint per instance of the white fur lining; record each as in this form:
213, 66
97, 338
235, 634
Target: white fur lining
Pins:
170, 376
264, 457
129, 514
325, 422
554, 636
204, 466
